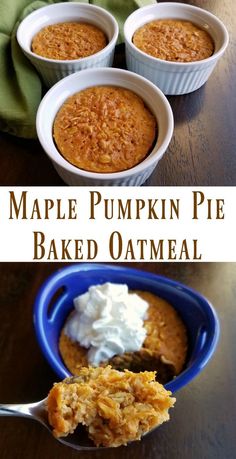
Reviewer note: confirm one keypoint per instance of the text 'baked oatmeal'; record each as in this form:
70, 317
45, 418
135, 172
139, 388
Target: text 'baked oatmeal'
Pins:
68, 41
104, 129
174, 40
116, 407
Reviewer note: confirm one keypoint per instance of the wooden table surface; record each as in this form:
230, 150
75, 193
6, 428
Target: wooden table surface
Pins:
202, 151
202, 424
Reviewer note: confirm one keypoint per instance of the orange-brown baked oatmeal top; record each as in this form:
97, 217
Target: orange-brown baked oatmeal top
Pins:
116, 407
174, 40
68, 40
104, 129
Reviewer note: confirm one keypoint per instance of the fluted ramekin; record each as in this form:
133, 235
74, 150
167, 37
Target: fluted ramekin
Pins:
53, 70
174, 77
151, 95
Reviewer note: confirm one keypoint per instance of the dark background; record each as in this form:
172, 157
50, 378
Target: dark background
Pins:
202, 152
203, 148
202, 424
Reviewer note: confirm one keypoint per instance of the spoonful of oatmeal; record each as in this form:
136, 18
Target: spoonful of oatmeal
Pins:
114, 407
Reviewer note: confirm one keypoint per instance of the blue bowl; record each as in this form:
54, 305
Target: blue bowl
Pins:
55, 301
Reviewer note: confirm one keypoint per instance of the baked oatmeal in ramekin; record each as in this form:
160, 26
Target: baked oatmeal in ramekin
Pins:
104, 129
189, 42
67, 30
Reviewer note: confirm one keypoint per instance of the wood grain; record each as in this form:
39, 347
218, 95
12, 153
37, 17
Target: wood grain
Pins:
203, 421
202, 152
203, 149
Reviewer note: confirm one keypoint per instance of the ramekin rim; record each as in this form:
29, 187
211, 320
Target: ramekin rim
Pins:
109, 45
211, 58
138, 168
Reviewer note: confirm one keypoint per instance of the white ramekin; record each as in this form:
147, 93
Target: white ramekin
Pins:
53, 70
174, 77
151, 95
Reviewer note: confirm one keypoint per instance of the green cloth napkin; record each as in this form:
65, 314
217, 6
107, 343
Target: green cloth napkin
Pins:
20, 84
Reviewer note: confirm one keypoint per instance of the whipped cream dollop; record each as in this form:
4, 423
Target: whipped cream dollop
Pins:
108, 320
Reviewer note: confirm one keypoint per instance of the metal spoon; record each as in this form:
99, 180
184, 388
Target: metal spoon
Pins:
37, 411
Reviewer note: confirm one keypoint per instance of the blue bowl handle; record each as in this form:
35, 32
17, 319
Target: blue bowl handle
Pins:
45, 309
205, 344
